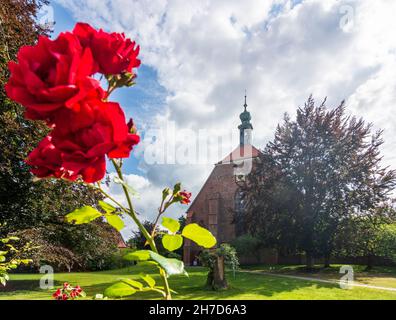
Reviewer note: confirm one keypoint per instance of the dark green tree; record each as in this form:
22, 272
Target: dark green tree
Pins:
320, 169
369, 235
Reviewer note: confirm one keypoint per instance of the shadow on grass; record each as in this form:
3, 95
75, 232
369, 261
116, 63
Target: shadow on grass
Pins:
24, 285
244, 286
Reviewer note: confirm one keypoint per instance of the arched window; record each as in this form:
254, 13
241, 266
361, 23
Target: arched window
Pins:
239, 208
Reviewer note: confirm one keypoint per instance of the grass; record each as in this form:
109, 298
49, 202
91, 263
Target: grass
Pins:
378, 276
244, 286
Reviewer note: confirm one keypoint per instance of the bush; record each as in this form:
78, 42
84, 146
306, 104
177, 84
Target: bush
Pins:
246, 245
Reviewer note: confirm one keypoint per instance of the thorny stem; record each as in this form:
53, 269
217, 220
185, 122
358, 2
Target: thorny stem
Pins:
141, 227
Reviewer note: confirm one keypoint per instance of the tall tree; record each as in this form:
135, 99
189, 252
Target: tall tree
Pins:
320, 169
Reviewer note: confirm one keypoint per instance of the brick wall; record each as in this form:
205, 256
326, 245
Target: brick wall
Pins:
213, 208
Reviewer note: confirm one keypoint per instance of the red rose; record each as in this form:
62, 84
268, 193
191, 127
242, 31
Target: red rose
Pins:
57, 294
97, 124
50, 75
113, 52
80, 140
86, 136
46, 161
185, 197
78, 289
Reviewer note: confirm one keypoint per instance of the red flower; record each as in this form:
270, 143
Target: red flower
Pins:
46, 161
52, 79
57, 294
50, 75
113, 52
78, 289
185, 197
80, 140
67, 291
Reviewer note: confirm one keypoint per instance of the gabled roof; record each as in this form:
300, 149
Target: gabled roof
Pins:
241, 153
121, 244
247, 152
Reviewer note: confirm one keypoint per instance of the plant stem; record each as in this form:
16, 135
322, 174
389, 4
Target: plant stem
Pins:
111, 198
160, 211
141, 227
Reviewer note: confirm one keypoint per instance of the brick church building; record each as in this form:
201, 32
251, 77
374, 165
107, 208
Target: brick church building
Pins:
218, 203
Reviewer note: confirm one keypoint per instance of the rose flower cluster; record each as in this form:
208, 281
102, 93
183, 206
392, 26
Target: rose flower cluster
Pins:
54, 81
68, 292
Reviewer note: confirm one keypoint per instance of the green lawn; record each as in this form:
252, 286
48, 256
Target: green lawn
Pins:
244, 286
378, 276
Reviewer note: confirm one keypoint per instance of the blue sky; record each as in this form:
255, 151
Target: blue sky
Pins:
199, 57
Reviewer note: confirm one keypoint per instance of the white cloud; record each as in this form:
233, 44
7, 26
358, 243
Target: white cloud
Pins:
207, 52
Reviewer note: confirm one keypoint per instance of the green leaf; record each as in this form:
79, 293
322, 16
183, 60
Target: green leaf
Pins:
2, 258
132, 192
106, 207
139, 255
13, 238
85, 214
3, 253
147, 264
11, 247
115, 221
26, 261
172, 242
170, 265
119, 289
133, 283
171, 224
199, 235
148, 279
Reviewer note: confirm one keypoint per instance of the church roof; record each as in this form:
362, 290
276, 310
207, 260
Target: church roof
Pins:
240, 153
121, 244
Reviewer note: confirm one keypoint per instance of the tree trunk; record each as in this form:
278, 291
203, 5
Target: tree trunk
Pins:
309, 261
370, 262
216, 278
327, 261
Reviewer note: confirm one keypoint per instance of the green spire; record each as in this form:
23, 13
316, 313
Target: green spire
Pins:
245, 127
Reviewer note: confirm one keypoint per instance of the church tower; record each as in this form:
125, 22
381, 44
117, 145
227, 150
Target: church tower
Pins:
219, 205
245, 128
